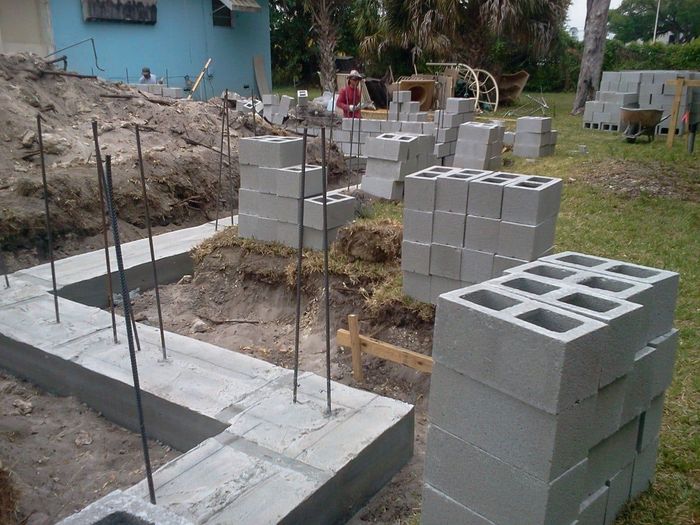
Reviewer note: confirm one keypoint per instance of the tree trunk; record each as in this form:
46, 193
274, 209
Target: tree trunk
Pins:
326, 35
593, 48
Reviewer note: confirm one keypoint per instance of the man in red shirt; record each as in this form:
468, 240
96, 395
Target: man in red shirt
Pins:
350, 96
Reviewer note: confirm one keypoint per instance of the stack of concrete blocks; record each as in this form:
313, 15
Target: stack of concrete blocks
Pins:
402, 108
161, 90
392, 156
643, 89
465, 226
457, 111
479, 146
534, 137
276, 108
547, 392
270, 194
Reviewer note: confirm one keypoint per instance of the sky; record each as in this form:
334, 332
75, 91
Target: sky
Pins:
577, 14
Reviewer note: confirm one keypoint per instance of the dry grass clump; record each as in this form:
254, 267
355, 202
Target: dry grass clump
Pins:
9, 498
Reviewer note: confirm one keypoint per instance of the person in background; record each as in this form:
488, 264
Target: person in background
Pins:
146, 77
350, 97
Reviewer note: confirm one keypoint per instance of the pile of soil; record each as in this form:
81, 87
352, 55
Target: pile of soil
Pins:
180, 142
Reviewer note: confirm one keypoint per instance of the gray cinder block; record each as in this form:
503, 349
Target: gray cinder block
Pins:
452, 190
258, 178
531, 200
271, 99
476, 266
417, 226
249, 177
524, 138
439, 509
592, 509
619, 493
445, 261
390, 146
469, 149
508, 138
501, 263
384, 188
481, 233
496, 490
460, 105
611, 455
650, 423
609, 403
419, 190
248, 202
270, 151
340, 209
313, 239
448, 228
288, 181
417, 286
283, 209
524, 241
480, 132
247, 225
440, 285
533, 125
548, 357
644, 469
533, 152
446, 135
543, 445
486, 194
665, 284
402, 97
415, 257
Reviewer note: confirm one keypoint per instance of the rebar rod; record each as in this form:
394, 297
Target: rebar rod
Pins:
3, 269
150, 242
49, 237
100, 189
230, 167
221, 166
324, 170
359, 144
300, 248
352, 139
129, 335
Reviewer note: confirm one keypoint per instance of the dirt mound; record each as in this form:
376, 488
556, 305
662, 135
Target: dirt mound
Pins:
180, 141
376, 241
9, 497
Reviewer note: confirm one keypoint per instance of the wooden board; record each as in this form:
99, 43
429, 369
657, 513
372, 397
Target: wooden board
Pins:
396, 354
261, 75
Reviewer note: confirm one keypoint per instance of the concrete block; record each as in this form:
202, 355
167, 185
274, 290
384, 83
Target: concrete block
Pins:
440, 285
489, 164
417, 226
501, 263
445, 261
650, 423
476, 266
533, 152
439, 509
460, 105
340, 209
481, 233
259, 179
428, 128
592, 509
451, 120
270, 151
415, 257
402, 97
271, 99
547, 357
531, 199
623, 318
477, 150
286, 103
611, 455
248, 202
302, 98
448, 228
644, 469
609, 403
389, 169
442, 150
419, 190
496, 490
289, 181
486, 194
370, 125
480, 132
665, 284
524, 241
284, 209
446, 134
452, 190
619, 493
543, 445
247, 225
417, 286
313, 238
508, 138
533, 125
526, 138
384, 188
390, 146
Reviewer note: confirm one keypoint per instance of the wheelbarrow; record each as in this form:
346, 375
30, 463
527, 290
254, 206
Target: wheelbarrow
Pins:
639, 121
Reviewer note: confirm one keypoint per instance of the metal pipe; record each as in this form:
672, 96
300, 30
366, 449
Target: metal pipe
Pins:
48, 217
359, 140
100, 189
324, 170
221, 165
300, 247
352, 140
150, 242
228, 147
129, 335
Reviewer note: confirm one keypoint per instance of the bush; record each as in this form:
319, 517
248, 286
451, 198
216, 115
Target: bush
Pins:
634, 56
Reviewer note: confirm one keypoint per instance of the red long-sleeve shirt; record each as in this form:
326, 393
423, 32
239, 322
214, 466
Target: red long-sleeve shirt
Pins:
350, 96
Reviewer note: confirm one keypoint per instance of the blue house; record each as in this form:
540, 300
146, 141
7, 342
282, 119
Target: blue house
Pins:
174, 38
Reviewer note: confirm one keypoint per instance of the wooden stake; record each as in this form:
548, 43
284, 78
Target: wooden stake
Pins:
355, 347
199, 79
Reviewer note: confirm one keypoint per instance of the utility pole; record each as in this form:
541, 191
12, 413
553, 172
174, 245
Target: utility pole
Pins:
656, 22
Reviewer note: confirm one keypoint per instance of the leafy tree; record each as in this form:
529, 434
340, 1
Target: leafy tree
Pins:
293, 58
634, 19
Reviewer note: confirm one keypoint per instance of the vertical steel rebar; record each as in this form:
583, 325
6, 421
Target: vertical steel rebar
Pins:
150, 243
300, 247
230, 167
49, 237
324, 170
335, 87
352, 139
3, 269
221, 165
129, 335
255, 113
100, 189
359, 140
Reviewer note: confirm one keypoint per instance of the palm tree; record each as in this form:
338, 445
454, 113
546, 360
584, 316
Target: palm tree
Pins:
324, 14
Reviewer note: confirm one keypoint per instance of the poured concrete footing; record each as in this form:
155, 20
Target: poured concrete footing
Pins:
253, 456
